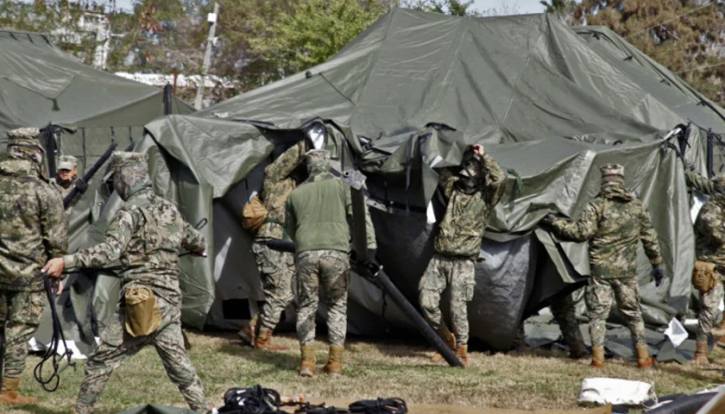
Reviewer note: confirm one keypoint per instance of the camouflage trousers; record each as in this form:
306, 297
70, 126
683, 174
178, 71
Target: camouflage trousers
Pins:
20, 314
599, 302
457, 273
331, 269
117, 346
278, 275
710, 301
564, 311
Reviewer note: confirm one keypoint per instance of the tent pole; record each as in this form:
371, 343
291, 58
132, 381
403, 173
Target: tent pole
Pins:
168, 100
212, 19
709, 154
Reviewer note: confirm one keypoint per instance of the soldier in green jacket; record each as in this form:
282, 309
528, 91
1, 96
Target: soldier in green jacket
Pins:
613, 224
276, 267
709, 247
33, 229
317, 221
472, 194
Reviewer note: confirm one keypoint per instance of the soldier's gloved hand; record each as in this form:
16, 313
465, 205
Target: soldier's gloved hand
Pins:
370, 257
658, 275
82, 186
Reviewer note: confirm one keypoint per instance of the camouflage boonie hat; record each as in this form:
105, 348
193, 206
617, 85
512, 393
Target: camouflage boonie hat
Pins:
123, 159
612, 169
67, 162
25, 137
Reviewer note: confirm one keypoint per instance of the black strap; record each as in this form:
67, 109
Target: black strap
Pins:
380, 406
255, 400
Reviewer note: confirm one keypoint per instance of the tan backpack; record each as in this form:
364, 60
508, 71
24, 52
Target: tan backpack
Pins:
253, 214
704, 276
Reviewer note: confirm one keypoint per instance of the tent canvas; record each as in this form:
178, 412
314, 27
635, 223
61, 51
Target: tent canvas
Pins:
406, 98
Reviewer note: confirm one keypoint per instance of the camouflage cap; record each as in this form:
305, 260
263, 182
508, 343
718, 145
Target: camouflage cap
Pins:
121, 159
25, 137
67, 162
612, 169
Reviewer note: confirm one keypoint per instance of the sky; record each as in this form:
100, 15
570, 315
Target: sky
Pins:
509, 6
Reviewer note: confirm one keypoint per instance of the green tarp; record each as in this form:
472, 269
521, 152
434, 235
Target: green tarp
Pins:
407, 97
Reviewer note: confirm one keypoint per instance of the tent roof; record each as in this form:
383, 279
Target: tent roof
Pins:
505, 79
40, 84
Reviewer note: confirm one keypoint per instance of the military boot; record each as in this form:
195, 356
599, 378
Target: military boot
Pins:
643, 358
450, 340
264, 341
701, 353
10, 395
462, 354
598, 356
308, 368
249, 332
334, 361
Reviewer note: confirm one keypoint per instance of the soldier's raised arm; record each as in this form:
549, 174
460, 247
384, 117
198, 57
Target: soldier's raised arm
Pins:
494, 180
581, 230
283, 166
699, 183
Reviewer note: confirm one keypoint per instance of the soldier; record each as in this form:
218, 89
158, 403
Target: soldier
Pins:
67, 174
709, 248
472, 194
613, 223
146, 234
33, 229
276, 267
317, 213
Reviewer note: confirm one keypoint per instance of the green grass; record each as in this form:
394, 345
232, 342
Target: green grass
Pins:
532, 380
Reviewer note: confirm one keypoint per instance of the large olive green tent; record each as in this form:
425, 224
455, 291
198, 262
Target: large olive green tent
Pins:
406, 98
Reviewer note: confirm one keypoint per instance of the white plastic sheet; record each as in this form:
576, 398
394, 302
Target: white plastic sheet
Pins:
676, 332
615, 391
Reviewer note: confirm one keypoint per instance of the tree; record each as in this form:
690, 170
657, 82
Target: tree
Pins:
686, 36
563, 9
451, 7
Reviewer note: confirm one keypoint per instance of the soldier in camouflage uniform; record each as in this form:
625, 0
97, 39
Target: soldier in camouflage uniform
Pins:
67, 174
33, 229
276, 267
709, 247
317, 221
472, 195
613, 223
146, 234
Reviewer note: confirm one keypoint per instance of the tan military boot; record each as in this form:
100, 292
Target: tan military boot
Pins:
450, 340
264, 341
643, 358
462, 354
334, 361
10, 395
701, 353
598, 356
308, 368
249, 332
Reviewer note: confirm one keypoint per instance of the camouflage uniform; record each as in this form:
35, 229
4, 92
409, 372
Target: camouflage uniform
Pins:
146, 234
33, 229
710, 246
277, 268
458, 244
317, 214
613, 223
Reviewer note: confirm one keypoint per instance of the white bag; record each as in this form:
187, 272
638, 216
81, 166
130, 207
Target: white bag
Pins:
615, 391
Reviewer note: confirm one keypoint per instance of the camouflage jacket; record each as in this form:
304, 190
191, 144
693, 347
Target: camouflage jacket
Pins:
277, 187
33, 225
146, 234
710, 231
697, 182
467, 215
613, 223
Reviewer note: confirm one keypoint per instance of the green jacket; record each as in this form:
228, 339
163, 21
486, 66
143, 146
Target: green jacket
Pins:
318, 212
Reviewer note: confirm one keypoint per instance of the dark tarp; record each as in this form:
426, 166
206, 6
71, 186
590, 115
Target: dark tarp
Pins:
546, 104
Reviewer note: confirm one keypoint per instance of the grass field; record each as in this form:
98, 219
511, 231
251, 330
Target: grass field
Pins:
530, 380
